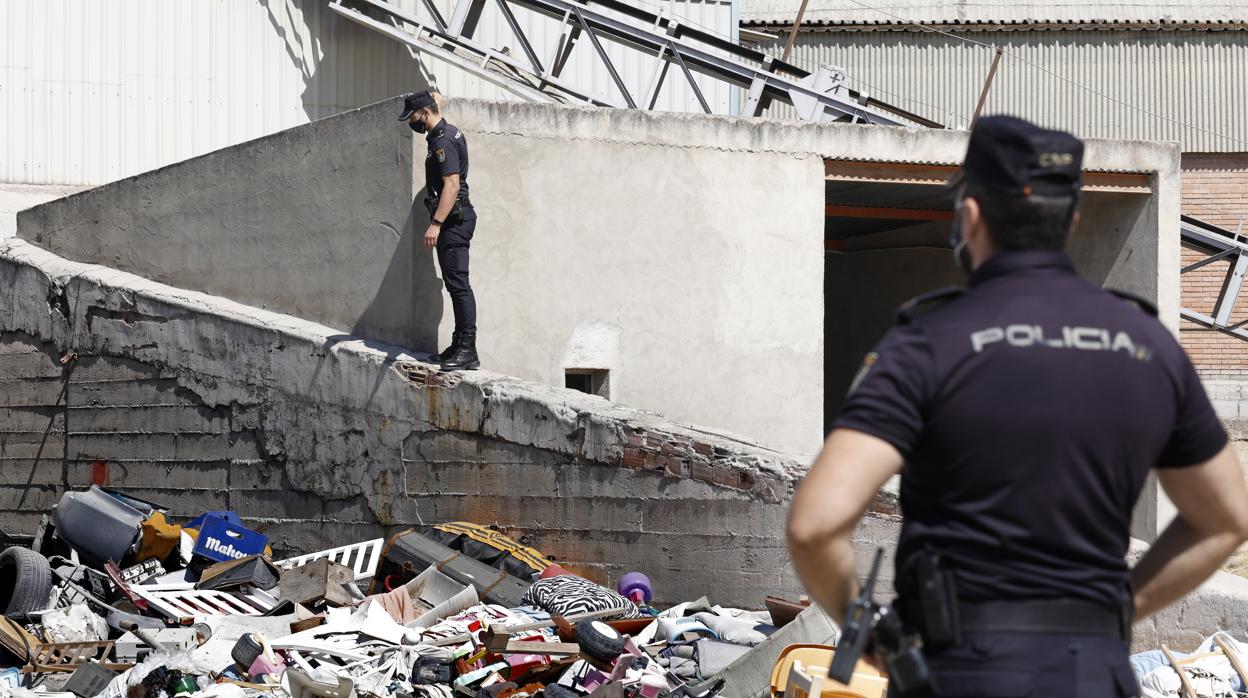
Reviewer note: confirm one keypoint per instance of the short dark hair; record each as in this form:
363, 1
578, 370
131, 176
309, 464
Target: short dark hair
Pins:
1024, 222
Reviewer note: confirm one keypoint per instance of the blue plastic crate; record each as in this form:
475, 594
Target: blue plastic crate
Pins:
222, 541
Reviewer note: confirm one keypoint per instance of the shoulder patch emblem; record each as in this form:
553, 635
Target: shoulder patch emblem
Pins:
867, 362
441, 155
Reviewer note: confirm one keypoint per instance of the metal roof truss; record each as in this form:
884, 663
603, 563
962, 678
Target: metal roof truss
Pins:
1224, 245
819, 96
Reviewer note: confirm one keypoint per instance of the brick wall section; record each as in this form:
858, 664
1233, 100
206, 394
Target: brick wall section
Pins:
1215, 190
1215, 187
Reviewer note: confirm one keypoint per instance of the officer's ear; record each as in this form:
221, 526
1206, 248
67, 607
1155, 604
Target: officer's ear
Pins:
971, 218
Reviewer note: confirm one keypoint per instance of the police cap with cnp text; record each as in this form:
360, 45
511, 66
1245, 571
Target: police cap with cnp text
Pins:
414, 102
1012, 156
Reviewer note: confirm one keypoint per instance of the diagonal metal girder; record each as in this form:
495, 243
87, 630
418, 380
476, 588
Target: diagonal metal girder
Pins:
820, 96
1225, 245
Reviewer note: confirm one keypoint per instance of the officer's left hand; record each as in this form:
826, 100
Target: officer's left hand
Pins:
431, 237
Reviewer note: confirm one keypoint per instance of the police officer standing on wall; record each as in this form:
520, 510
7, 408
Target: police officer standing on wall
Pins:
1023, 415
452, 220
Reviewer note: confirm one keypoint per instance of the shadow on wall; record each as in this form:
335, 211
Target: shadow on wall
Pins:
1101, 244
408, 303
862, 291
343, 65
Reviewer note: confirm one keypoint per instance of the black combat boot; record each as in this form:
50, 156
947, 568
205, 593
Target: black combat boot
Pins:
465, 356
448, 352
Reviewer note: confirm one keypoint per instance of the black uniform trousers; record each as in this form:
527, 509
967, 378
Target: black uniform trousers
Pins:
1032, 665
453, 244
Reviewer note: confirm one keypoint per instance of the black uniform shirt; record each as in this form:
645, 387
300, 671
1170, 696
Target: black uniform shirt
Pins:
448, 155
1029, 411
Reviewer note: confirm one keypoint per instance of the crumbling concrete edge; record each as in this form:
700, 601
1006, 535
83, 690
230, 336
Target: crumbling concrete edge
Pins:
91, 309
1216, 605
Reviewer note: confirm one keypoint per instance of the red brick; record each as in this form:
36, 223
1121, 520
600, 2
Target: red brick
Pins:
701, 471
633, 458
729, 476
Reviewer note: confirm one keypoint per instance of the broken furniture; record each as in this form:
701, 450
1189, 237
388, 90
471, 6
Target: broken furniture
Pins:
317, 581
362, 558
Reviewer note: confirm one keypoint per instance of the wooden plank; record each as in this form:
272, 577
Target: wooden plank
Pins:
15, 639
937, 175
1184, 683
562, 649
879, 212
318, 580
1232, 655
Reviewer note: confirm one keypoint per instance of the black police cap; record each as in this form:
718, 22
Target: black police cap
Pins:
414, 102
1013, 156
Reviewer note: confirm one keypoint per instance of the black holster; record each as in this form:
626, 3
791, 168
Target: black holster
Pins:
938, 602
457, 210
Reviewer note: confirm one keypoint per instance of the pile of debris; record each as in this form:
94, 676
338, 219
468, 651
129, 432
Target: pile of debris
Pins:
112, 598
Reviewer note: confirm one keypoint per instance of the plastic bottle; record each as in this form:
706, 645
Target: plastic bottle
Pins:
636, 586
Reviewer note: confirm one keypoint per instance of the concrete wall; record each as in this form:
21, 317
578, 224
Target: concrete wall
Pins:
316, 222
683, 252
692, 274
324, 440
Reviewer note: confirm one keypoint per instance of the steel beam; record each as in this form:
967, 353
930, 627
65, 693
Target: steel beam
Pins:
1226, 245
819, 96
1230, 292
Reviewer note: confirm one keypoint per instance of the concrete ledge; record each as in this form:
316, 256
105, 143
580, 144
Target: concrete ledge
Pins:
318, 434
760, 135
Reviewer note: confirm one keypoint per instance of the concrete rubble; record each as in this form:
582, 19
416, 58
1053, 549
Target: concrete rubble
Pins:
113, 597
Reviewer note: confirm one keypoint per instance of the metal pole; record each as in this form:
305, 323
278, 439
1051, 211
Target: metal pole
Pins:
793, 32
983, 96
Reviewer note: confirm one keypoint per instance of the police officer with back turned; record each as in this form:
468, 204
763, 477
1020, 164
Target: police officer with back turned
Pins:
1024, 415
452, 220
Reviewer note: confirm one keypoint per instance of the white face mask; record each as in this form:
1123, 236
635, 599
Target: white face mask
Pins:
960, 254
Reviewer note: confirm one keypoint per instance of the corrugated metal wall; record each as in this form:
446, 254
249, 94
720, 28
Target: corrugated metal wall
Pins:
1199, 79
93, 90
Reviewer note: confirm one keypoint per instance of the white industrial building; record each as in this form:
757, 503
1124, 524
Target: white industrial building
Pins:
93, 92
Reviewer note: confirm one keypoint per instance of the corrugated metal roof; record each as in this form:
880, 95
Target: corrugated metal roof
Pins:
866, 15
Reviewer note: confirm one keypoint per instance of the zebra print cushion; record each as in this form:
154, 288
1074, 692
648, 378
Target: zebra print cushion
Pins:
568, 595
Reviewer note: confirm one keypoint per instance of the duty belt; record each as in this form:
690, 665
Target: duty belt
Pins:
1059, 617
